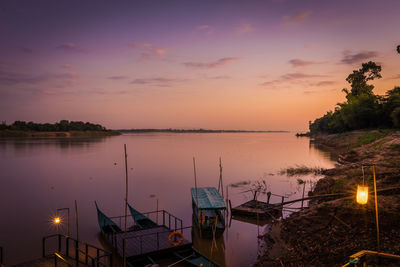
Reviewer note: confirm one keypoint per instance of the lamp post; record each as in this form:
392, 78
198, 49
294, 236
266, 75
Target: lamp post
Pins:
362, 198
57, 219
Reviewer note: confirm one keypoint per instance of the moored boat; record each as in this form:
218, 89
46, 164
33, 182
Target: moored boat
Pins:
208, 205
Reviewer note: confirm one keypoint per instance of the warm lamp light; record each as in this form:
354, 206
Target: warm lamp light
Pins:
362, 194
57, 220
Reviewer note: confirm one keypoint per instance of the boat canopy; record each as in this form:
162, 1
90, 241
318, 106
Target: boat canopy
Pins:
208, 198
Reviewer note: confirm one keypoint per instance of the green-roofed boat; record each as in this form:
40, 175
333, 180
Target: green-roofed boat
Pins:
142, 222
107, 226
208, 205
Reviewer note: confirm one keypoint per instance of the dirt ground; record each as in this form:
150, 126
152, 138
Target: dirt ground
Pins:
332, 229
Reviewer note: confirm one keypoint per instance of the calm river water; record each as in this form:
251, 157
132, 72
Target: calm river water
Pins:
38, 176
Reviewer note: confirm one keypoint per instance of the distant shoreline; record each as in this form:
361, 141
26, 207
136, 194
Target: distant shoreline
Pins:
65, 134
192, 131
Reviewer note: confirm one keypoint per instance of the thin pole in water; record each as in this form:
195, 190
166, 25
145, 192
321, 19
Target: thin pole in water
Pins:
76, 220
126, 200
220, 184
376, 210
197, 197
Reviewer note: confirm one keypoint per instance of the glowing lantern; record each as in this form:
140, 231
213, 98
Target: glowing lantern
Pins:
57, 220
362, 194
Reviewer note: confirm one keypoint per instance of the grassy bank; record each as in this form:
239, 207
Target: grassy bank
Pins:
330, 230
35, 134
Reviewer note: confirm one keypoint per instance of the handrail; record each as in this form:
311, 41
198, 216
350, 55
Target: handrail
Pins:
183, 228
359, 257
95, 261
58, 256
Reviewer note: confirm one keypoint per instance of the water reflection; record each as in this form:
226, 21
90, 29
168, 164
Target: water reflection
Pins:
41, 175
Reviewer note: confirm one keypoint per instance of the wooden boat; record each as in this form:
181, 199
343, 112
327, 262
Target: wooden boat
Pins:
208, 204
254, 208
142, 221
107, 226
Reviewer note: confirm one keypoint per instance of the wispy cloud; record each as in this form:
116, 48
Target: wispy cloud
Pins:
59, 80
118, 77
291, 77
149, 51
297, 17
70, 67
324, 83
72, 47
301, 63
207, 29
27, 50
244, 28
220, 77
350, 58
157, 81
213, 64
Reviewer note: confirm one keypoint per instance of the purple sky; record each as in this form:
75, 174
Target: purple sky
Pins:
271, 64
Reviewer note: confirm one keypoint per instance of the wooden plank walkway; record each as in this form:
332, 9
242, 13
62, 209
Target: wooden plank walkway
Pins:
145, 241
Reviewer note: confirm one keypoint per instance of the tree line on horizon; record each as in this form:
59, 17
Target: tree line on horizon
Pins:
362, 109
61, 126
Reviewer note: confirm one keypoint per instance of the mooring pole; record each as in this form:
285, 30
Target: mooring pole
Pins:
376, 209
126, 200
76, 220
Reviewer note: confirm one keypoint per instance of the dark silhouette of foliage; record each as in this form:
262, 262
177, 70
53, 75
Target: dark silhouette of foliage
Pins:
62, 126
363, 109
398, 49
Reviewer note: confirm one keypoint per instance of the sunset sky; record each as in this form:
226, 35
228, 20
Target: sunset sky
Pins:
256, 65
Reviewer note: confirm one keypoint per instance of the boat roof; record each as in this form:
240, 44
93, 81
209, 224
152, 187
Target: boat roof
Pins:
208, 198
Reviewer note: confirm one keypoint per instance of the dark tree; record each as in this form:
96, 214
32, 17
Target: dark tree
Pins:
359, 78
398, 49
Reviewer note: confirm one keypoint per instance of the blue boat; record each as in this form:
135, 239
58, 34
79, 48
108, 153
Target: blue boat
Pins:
107, 226
142, 221
208, 205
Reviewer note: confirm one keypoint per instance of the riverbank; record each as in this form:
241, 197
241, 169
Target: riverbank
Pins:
330, 230
35, 134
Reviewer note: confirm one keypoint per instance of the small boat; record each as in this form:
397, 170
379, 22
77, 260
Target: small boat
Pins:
107, 226
207, 205
255, 208
142, 221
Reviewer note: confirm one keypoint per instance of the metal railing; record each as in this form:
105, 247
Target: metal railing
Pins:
155, 216
76, 250
156, 241
58, 257
362, 257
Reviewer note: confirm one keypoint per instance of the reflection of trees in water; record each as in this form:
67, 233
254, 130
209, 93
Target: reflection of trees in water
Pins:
23, 145
324, 151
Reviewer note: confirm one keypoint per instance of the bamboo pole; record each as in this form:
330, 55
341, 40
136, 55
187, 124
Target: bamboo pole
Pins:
126, 201
220, 184
76, 220
197, 197
376, 209
213, 240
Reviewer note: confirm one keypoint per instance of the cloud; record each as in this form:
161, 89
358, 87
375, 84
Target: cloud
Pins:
203, 27
71, 47
149, 51
349, 58
291, 77
244, 28
220, 77
59, 80
120, 77
69, 66
298, 76
213, 64
27, 50
300, 63
157, 81
309, 92
297, 17
324, 83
